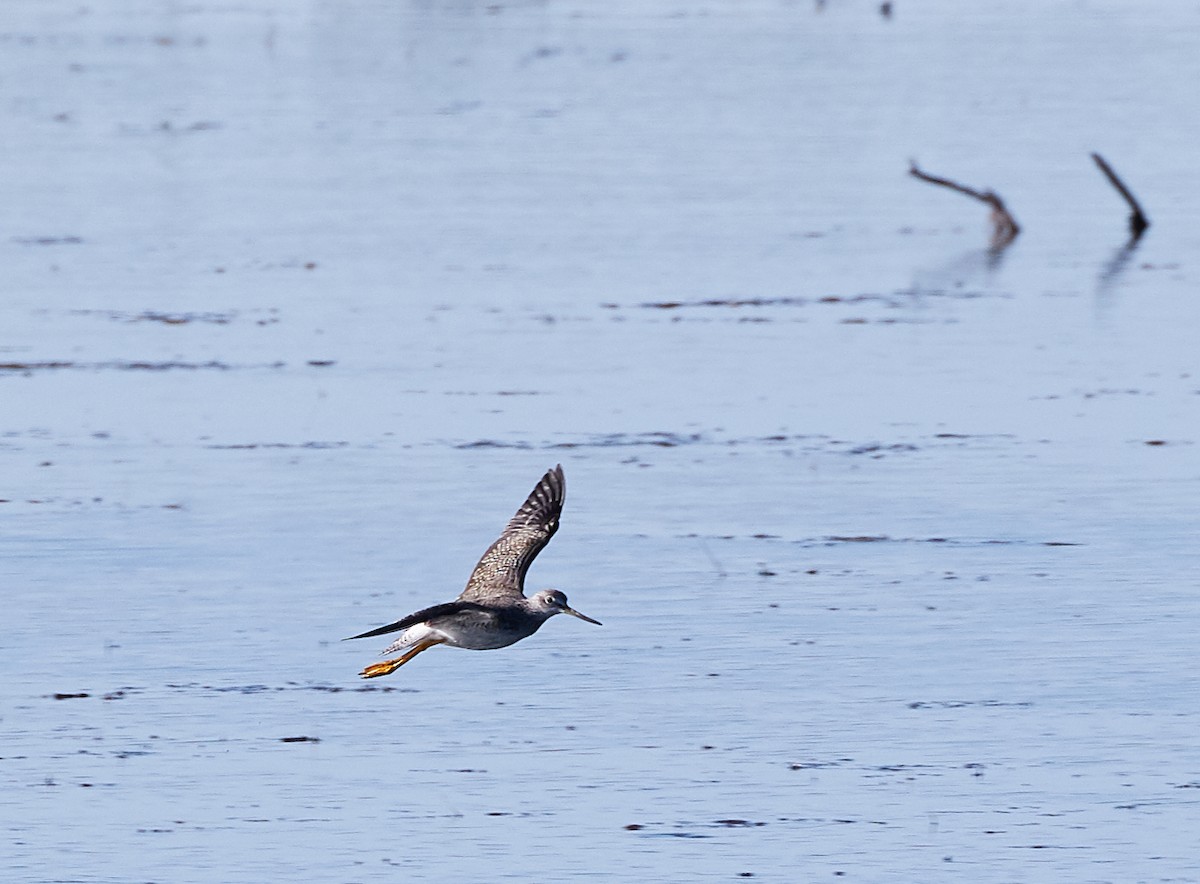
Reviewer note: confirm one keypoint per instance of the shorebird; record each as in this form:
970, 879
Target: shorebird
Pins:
492, 612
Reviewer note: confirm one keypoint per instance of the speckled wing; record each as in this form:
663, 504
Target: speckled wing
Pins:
501, 571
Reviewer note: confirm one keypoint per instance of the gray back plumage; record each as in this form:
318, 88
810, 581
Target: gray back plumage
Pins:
501, 571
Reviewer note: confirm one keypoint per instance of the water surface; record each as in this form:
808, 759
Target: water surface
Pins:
893, 537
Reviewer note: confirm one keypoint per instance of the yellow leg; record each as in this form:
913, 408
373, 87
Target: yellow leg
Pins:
387, 667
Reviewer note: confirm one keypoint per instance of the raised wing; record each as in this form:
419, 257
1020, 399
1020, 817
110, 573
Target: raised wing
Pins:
501, 571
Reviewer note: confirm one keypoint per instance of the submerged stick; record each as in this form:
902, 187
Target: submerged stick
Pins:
1004, 226
1138, 222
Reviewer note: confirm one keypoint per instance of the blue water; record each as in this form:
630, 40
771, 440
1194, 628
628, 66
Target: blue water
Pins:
893, 537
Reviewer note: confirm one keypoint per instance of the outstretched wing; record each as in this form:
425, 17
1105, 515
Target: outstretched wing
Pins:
501, 571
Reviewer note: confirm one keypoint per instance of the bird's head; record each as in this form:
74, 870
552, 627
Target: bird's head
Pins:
552, 601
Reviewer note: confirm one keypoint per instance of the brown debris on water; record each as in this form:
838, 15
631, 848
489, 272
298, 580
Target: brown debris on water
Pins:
1138, 222
1004, 226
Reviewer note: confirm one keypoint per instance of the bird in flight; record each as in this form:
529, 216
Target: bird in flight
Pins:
492, 612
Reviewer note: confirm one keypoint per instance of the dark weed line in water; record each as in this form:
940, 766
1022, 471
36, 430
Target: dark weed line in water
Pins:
133, 365
251, 446
122, 365
185, 318
667, 439
899, 298
832, 539
130, 691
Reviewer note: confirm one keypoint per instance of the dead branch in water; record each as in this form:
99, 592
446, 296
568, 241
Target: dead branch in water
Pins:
1138, 222
1004, 226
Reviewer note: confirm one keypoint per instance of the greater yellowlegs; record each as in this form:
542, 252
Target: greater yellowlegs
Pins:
492, 612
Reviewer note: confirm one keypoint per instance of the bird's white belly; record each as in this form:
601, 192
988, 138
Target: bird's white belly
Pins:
411, 636
472, 633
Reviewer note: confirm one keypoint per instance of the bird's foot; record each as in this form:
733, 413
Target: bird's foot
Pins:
387, 667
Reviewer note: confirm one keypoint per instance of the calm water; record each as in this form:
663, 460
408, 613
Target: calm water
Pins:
893, 538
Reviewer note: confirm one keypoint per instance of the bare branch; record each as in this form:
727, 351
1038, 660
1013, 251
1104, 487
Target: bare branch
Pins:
1138, 222
1004, 226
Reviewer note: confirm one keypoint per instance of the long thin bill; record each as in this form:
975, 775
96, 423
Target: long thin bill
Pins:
575, 613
